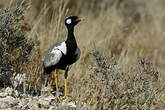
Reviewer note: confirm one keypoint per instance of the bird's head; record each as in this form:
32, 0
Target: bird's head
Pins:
71, 21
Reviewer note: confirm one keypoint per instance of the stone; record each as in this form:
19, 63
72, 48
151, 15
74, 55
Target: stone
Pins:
67, 105
3, 94
8, 102
9, 91
47, 100
52, 108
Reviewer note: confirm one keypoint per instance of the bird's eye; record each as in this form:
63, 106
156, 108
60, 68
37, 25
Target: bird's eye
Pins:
68, 21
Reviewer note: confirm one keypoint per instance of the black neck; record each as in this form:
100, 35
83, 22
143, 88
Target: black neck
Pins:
71, 37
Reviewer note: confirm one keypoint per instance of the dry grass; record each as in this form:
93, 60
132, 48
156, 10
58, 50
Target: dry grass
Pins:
118, 43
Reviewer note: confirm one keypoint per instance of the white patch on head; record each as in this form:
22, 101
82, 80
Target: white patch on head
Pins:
68, 21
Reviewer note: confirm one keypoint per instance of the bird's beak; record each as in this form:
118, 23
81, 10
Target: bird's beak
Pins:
78, 20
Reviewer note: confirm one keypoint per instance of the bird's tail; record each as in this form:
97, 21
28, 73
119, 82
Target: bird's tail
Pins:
47, 71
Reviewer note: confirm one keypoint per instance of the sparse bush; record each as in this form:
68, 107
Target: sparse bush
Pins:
107, 87
18, 53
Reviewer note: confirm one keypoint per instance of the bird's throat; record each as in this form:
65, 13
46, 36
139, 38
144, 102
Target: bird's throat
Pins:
71, 41
70, 30
71, 36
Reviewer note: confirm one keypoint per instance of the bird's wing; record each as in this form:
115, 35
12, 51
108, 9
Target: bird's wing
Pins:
62, 47
52, 58
54, 54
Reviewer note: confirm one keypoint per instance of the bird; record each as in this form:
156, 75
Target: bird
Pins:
62, 55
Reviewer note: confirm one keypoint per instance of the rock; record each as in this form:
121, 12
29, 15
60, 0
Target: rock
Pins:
72, 104
6, 109
23, 103
8, 102
32, 104
52, 108
4, 105
67, 105
3, 94
65, 108
46, 101
9, 91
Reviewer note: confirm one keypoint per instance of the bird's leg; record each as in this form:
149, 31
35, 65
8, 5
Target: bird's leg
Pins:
56, 73
65, 81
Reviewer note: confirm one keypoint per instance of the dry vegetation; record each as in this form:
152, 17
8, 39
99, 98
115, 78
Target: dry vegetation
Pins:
122, 44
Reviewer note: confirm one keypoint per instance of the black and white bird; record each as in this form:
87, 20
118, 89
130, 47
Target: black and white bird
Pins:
64, 54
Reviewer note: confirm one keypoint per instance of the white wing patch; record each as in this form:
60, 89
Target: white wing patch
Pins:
52, 58
62, 47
